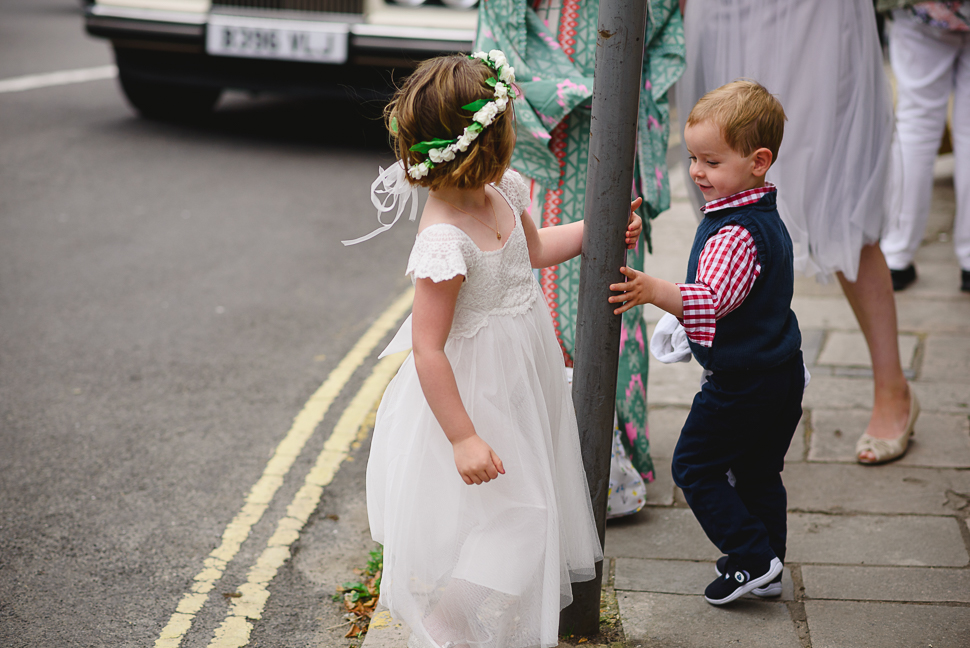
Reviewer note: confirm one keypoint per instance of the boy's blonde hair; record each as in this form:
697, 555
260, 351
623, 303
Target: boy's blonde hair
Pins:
748, 115
428, 106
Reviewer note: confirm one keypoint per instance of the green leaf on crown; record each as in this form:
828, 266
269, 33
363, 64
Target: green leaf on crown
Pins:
475, 106
424, 147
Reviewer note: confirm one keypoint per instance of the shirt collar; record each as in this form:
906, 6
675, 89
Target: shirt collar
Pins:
740, 199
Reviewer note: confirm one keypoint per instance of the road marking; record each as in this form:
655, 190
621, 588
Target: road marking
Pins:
262, 492
235, 629
64, 77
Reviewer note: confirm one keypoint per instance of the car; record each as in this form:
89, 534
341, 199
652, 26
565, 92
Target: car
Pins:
175, 57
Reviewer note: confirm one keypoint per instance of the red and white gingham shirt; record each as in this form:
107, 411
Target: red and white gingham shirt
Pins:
726, 271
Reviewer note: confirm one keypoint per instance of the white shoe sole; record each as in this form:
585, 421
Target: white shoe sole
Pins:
774, 569
771, 590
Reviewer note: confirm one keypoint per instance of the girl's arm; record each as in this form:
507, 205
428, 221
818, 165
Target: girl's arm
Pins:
434, 309
551, 246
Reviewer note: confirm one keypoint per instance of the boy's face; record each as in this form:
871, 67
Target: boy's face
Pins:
717, 169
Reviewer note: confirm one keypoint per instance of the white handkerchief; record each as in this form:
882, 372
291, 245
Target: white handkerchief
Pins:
669, 342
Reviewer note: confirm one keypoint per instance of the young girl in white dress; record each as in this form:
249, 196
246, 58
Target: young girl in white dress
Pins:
475, 483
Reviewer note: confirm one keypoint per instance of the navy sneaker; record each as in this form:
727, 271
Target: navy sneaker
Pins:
771, 590
736, 582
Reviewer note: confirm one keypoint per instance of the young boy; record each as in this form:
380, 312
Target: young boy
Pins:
736, 311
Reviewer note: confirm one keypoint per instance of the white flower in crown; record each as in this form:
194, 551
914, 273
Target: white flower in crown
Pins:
480, 55
418, 171
507, 74
498, 58
501, 90
435, 155
502, 103
465, 140
486, 114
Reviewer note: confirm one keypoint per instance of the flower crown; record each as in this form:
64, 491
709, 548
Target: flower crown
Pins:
391, 191
443, 150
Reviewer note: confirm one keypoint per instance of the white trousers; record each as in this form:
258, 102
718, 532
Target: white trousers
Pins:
929, 64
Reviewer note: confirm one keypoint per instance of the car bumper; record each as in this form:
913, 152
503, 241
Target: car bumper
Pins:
169, 46
152, 25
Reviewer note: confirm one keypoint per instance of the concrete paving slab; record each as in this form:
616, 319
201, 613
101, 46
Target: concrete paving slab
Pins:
660, 492
934, 280
671, 621
676, 577
848, 349
665, 425
900, 540
936, 316
940, 440
949, 397
659, 533
886, 625
809, 286
832, 392
812, 340
936, 250
847, 488
824, 312
673, 384
925, 584
945, 357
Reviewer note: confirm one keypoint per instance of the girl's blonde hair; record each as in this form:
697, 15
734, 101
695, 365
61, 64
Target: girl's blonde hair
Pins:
748, 115
428, 106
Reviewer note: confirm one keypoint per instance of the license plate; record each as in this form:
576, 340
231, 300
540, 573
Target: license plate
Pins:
291, 40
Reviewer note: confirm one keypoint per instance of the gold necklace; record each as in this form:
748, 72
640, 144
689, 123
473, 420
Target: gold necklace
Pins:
498, 234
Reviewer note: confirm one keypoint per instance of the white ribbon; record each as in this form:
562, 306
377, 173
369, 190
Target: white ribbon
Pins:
396, 191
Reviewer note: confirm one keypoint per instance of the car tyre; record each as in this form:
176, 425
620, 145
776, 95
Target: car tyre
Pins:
168, 101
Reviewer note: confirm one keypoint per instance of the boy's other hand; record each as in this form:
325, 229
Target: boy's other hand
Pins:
634, 225
634, 291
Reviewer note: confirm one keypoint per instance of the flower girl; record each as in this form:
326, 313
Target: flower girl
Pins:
475, 483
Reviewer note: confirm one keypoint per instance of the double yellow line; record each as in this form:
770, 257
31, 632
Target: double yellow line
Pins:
235, 629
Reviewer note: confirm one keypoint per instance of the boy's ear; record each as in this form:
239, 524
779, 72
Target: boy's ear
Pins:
761, 160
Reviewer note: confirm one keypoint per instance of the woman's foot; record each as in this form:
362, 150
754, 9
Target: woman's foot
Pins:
873, 448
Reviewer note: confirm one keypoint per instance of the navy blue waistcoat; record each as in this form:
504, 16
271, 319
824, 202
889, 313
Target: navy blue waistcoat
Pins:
762, 332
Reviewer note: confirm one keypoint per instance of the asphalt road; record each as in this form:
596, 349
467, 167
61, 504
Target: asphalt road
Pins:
170, 298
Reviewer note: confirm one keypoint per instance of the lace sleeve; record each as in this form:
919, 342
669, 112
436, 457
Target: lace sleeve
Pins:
515, 190
438, 254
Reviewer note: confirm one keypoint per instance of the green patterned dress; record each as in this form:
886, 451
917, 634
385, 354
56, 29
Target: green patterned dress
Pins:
553, 51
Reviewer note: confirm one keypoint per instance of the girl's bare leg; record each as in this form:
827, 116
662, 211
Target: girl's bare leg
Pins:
872, 301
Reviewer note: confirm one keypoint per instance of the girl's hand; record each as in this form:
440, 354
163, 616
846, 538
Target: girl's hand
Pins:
476, 461
635, 291
634, 226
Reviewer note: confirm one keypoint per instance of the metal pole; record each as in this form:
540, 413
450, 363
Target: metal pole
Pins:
609, 180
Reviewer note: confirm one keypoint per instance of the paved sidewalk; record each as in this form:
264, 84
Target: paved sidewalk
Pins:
878, 557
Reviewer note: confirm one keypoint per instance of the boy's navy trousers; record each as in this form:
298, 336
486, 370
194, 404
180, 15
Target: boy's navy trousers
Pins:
742, 422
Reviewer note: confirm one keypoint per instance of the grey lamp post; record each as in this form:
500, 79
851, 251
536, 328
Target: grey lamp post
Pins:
616, 95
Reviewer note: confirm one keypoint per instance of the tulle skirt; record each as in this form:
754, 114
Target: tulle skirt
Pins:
489, 565
822, 59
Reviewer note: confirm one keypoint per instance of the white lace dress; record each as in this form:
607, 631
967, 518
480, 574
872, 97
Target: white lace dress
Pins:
489, 565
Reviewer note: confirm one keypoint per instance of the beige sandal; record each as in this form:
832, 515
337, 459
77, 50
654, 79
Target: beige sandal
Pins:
888, 449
